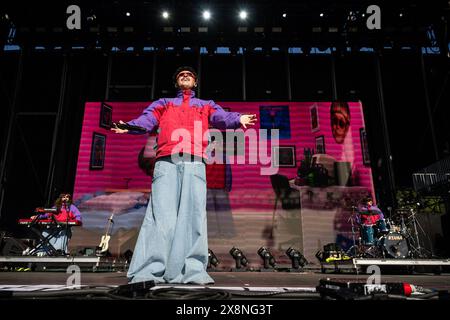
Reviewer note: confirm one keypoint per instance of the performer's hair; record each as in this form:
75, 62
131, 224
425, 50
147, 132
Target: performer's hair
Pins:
367, 199
58, 202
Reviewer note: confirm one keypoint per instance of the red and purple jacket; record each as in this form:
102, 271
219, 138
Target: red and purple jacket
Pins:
70, 213
181, 112
369, 215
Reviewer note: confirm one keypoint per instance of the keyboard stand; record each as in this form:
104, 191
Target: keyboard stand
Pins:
44, 242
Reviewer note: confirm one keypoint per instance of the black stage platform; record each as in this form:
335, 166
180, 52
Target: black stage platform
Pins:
101, 273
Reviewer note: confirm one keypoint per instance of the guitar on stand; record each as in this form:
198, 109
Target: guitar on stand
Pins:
102, 248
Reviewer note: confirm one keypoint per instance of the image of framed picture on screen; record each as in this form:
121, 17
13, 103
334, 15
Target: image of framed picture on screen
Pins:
105, 116
314, 114
320, 144
275, 117
283, 156
364, 147
98, 148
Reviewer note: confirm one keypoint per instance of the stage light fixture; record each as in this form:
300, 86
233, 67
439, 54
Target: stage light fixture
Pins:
297, 259
239, 258
212, 259
128, 14
91, 18
165, 15
352, 16
284, 15
243, 15
206, 15
321, 15
266, 255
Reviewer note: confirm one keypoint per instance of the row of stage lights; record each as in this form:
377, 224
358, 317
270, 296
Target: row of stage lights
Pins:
298, 261
243, 14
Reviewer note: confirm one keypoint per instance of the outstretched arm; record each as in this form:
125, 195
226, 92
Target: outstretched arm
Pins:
248, 120
221, 119
149, 119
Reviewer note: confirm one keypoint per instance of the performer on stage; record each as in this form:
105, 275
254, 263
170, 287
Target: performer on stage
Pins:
61, 236
370, 218
172, 245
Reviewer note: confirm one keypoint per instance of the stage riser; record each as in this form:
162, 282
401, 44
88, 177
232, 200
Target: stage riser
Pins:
93, 264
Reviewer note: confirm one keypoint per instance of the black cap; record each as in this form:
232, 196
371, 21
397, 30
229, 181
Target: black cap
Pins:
184, 68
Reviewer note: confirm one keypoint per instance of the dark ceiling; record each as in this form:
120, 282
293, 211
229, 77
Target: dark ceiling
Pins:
105, 23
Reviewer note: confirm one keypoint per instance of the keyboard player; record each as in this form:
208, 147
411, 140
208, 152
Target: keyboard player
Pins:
59, 234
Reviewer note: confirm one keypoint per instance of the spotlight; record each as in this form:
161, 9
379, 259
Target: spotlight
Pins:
352, 16
284, 15
165, 15
321, 15
269, 260
298, 260
91, 18
239, 258
212, 259
206, 14
243, 15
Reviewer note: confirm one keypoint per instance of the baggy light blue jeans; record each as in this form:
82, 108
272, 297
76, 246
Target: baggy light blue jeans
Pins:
172, 245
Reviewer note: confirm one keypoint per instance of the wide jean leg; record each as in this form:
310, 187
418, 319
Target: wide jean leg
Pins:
172, 245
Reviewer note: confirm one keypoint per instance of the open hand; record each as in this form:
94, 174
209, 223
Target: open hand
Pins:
248, 120
117, 130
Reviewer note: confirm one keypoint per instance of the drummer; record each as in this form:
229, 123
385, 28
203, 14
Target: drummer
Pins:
371, 219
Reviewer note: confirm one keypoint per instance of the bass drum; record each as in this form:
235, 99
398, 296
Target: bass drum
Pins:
394, 245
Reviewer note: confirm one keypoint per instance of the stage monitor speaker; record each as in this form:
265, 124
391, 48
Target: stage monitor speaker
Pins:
343, 173
12, 247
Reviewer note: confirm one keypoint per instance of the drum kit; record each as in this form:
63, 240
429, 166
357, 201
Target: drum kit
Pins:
400, 239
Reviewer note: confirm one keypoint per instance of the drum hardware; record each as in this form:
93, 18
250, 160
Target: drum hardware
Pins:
412, 234
391, 243
394, 245
401, 240
355, 250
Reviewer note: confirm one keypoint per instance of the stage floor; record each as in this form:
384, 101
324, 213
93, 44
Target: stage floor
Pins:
236, 280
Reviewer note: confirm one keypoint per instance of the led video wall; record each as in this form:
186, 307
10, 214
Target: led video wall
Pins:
322, 157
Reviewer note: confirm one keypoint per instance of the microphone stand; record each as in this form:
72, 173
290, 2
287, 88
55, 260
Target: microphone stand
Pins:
351, 219
66, 236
